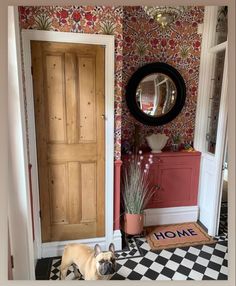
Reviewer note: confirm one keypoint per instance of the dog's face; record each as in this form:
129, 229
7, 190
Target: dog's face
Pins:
105, 260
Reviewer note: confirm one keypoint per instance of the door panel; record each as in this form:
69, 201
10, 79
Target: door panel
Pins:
58, 193
74, 197
72, 152
88, 186
68, 82
207, 187
174, 177
87, 100
214, 101
176, 188
55, 93
71, 97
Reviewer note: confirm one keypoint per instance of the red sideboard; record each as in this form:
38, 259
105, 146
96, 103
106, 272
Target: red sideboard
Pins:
174, 176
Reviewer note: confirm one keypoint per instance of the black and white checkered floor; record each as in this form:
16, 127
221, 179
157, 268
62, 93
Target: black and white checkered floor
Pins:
138, 262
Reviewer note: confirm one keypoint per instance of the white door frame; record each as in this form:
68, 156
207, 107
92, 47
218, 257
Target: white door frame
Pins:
19, 207
215, 161
55, 248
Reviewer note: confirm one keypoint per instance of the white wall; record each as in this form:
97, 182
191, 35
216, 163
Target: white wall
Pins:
3, 145
18, 203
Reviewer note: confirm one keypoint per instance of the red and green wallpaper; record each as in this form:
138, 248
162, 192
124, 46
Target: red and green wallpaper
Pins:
179, 46
138, 40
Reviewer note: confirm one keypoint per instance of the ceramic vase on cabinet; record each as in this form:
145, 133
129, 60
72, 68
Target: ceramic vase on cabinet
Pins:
157, 142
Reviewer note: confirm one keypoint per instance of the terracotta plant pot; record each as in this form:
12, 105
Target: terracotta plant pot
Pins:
133, 223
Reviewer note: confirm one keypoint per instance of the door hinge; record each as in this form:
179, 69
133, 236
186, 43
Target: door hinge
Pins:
40, 214
12, 262
31, 70
224, 166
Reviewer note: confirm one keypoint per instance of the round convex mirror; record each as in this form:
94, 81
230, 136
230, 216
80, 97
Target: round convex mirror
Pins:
155, 94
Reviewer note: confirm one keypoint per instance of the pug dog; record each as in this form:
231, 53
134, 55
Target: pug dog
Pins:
93, 264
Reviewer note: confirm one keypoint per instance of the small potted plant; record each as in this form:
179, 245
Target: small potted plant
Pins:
176, 141
136, 193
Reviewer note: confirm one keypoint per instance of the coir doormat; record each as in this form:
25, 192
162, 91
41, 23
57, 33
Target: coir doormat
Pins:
177, 235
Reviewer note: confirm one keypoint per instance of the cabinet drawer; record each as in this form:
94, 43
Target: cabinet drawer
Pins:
175, 160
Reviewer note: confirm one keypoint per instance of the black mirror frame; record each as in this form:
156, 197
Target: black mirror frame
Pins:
134, 82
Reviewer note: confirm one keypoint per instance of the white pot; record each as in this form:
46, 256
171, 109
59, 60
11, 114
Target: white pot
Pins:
157, 142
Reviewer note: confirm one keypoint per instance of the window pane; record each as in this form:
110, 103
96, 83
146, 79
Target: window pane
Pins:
214, 104
221, 25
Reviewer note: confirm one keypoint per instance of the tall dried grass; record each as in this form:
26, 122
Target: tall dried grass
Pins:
136, 188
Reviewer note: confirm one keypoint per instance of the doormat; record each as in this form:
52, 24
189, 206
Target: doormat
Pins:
177, 235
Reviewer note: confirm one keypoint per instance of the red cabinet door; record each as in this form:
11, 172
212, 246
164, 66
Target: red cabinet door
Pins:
175, 181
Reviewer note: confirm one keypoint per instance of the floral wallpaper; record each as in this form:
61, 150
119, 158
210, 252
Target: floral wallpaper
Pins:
179, 46
138, 40
84, 19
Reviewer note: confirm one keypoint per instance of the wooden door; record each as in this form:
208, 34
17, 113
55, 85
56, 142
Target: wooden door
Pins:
68, 85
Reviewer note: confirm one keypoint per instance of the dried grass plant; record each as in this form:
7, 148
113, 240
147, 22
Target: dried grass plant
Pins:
136, 188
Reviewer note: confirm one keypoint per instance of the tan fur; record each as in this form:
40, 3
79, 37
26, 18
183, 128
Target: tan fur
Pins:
84, 257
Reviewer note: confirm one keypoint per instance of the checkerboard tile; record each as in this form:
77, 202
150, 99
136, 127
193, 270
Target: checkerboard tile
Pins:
132, 250
204, 262
138, 262
55, 270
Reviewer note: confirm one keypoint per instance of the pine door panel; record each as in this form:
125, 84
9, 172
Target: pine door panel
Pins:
77, 152
68, 83
87, 99
74, 197
71, 98
55, 93
58, 192
88, 187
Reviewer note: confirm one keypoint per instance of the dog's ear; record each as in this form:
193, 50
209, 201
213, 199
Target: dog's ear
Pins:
112, 247
97, 250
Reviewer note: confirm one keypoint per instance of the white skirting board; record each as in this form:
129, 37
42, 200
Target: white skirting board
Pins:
53, 249
160, 216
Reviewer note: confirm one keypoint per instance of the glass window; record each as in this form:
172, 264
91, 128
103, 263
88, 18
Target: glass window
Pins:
214, 104
221, 25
